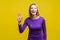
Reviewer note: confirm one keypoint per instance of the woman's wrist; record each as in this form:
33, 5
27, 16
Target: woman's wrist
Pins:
19, 23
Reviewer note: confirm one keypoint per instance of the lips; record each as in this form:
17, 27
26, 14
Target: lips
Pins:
33, 11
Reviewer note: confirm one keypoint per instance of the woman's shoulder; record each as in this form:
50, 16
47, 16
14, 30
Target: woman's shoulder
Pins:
27, 18
42, 18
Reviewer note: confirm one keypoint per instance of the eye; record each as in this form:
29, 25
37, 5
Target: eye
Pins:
31, 7
35, 8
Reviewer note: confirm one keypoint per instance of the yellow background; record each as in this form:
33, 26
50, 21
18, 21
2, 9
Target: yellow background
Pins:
49, 9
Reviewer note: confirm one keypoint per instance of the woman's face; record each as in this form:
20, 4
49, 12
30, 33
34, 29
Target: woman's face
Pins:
33, 9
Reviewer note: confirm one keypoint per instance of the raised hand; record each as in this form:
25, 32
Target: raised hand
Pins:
19, 18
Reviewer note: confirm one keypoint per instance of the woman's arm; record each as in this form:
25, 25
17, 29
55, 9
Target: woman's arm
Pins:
44, 29
22, 27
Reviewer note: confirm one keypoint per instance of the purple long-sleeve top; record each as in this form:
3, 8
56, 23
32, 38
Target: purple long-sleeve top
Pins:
37, 28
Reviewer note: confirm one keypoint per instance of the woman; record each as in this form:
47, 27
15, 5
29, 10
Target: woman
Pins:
35, 23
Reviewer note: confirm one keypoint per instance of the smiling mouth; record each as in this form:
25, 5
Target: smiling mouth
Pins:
33, 11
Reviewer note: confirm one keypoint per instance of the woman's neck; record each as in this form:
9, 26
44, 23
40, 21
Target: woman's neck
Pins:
34, 17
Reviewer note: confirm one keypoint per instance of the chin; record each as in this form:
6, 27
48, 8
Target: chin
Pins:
33, 14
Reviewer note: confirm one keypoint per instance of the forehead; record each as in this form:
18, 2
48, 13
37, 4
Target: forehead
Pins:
33, 6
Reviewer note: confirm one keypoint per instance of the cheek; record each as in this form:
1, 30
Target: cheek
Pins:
35, 10
31, 9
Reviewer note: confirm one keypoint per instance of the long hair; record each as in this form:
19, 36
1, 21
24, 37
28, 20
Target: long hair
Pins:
37, 14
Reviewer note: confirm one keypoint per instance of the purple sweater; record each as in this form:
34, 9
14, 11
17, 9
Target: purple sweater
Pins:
37, 28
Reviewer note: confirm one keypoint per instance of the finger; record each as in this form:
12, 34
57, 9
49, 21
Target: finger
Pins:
19, 14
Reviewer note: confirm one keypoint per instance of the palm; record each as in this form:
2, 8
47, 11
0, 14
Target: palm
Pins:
19, 18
